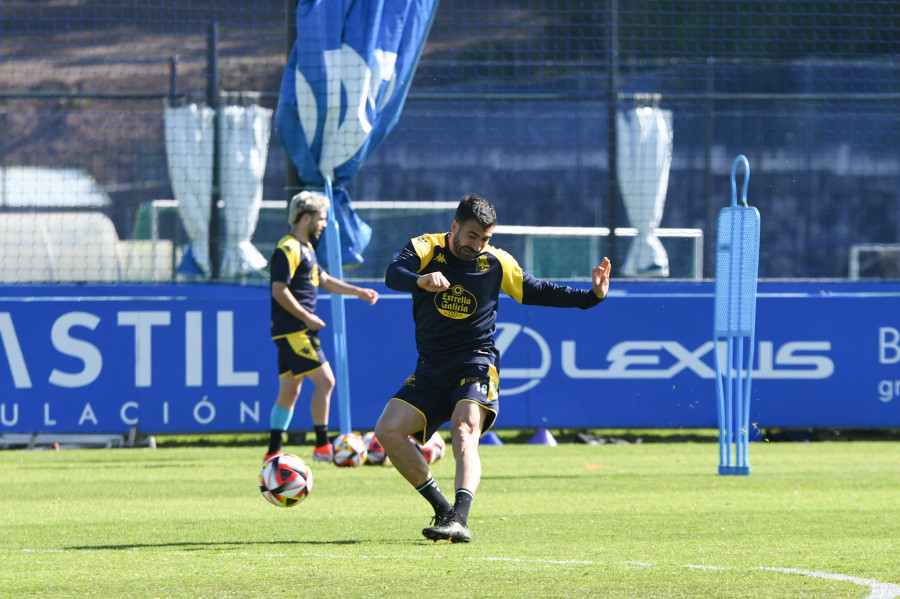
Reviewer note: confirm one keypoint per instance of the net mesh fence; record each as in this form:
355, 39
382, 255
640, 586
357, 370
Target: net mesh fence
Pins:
515, 101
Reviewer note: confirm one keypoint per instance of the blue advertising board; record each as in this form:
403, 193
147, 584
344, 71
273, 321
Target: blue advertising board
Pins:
189, 358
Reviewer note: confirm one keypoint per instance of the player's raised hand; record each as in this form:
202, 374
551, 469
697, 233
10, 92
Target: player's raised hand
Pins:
433, 281
601, 278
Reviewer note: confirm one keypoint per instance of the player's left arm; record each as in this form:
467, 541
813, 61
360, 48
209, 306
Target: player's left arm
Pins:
333, 285
527, 289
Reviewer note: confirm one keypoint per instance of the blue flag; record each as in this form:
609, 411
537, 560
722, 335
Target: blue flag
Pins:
344, 85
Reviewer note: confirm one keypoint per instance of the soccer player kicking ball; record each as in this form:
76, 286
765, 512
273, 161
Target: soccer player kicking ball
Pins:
295, 281
455, 279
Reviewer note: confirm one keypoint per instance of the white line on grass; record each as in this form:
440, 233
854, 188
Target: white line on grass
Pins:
880, 590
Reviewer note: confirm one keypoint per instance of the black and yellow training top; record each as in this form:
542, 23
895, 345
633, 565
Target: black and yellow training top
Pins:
462, 318
294, 263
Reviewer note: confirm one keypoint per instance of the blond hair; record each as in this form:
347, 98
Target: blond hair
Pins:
306, 202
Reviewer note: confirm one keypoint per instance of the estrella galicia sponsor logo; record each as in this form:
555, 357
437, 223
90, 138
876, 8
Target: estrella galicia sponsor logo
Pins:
455, 302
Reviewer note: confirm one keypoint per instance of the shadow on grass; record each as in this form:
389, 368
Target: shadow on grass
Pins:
202, 545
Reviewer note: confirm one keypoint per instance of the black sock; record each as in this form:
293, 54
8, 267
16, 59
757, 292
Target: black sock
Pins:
464, 499
275, 440
321, 434
429, 490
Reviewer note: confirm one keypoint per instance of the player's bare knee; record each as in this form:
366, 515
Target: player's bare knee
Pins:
323, 380
388, 433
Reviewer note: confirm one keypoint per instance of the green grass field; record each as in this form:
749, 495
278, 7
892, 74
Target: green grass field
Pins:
640, 520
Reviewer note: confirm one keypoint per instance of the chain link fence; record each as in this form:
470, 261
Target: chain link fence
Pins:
515, 101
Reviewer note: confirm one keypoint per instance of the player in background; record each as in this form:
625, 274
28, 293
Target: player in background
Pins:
295, 279
455, 279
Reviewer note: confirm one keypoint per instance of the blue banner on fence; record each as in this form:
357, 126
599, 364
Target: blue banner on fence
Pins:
172, 359
344, 87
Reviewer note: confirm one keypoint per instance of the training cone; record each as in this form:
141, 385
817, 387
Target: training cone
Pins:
543, 437
490, 438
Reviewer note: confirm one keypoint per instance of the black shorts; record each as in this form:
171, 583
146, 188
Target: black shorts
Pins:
435, 389
299, 353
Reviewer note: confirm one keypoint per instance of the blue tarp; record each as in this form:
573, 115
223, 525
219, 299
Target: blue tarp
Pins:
344, 85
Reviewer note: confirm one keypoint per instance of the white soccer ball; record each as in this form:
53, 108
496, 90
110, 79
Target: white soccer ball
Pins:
349, 450
285, 480
375, 454
434, 448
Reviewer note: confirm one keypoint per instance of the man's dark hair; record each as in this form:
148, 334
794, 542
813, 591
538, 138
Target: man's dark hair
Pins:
472, 207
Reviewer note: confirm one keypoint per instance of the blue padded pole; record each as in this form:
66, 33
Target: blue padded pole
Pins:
338, 317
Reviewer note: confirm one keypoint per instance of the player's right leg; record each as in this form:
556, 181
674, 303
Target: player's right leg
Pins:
398, 420
396, 423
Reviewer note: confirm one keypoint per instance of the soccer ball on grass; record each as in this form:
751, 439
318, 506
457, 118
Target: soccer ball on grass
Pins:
285, 480
349, 450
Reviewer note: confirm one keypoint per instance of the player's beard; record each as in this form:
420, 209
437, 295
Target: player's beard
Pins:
463, 252
314, 233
